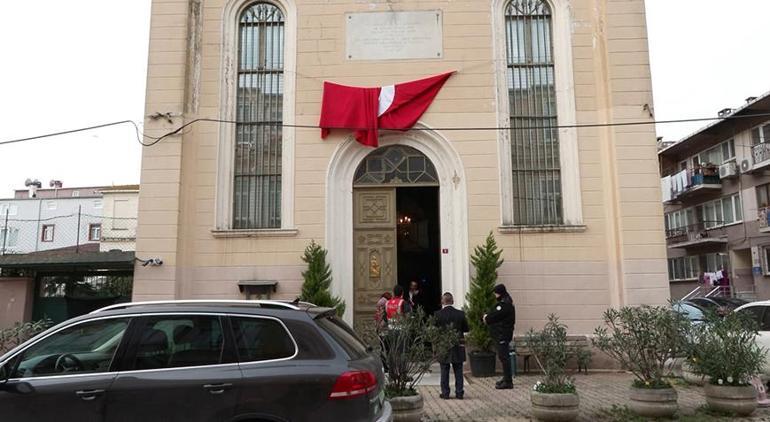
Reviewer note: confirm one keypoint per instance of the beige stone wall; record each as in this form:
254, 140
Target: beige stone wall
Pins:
619, 258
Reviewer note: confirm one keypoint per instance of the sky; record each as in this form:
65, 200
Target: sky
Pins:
70, 64
76, 63
705, 55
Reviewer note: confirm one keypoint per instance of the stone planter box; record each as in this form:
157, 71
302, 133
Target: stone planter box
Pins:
739, 400
653, 403
407, 408
691, 377
555, 407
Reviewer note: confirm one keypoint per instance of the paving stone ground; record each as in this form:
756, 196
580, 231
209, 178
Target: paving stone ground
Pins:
598, 391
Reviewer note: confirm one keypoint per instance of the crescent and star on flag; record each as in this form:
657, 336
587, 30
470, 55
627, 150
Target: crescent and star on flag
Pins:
366, 110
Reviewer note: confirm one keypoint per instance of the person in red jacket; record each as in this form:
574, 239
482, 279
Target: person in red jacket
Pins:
397, 305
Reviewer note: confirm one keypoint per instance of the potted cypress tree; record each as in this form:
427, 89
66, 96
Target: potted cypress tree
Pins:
317, 279
479, 300
554, 398
642, 339
725, 352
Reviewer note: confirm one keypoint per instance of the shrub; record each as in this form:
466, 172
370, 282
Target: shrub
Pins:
549, 347
725, 350
642, 339
317, 279
410, 349
481, 297
21, 332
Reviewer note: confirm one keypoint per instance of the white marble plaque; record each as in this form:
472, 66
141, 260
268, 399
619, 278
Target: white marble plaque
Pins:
394, 35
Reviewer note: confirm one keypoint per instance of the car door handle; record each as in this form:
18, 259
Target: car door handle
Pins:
88, 395
217, 388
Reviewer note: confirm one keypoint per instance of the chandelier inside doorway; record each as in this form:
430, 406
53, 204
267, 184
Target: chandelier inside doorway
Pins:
404, 226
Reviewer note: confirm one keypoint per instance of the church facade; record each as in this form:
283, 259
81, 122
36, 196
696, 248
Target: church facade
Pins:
516, 143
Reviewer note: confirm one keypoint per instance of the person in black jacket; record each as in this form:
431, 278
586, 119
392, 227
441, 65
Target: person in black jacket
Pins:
415, 296
455, 318
501, 319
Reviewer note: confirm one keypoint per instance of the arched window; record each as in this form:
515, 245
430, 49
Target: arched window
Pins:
530, 76
395, 165
259, 113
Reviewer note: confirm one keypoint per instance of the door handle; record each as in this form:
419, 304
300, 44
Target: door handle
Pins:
217, 388
88, 395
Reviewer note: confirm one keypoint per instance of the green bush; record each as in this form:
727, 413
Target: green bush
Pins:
21, 332
481, 297
725, 350
550, 350
317, 279
642, 339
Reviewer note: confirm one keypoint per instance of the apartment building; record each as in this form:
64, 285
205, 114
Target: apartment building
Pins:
233, 203
35, 220
716, 193
65, 250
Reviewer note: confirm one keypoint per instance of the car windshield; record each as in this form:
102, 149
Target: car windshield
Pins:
705, 303
692, 313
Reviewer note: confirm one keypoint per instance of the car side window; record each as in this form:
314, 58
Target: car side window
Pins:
765, 325
85, 348
260, 339
756, 314
178, 341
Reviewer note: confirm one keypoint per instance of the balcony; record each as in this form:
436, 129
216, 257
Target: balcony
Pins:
690, 183
697, 235
763, 215
760, 154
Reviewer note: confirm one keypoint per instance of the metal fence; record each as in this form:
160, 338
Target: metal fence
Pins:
77, 232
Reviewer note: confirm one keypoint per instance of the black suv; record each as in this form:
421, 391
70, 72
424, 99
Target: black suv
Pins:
195, 361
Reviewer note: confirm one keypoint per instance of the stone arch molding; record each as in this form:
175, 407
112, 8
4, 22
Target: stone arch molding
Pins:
453, 212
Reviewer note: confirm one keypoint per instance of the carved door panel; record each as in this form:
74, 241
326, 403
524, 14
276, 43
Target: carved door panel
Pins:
374, 249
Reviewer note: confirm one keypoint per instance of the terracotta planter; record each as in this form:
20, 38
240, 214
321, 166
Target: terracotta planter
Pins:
653, 403
407, 408
691, 377
555, 407
739, 400
482, 364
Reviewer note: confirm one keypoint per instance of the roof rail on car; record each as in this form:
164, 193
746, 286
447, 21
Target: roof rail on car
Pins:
279, 304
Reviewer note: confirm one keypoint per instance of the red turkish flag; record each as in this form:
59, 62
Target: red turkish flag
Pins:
365, 110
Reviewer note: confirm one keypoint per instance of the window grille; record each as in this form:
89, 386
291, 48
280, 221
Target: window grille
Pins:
258, 133
537, 198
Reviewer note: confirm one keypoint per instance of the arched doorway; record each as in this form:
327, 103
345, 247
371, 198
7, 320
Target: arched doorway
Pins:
453, 208
396, 228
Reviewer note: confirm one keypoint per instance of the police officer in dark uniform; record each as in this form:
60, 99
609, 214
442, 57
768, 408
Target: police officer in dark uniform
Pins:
501, 319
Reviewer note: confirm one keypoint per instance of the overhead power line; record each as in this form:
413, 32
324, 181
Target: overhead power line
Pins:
87, 128
154, 140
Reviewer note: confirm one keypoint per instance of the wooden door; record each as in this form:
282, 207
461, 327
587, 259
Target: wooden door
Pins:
374, 249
